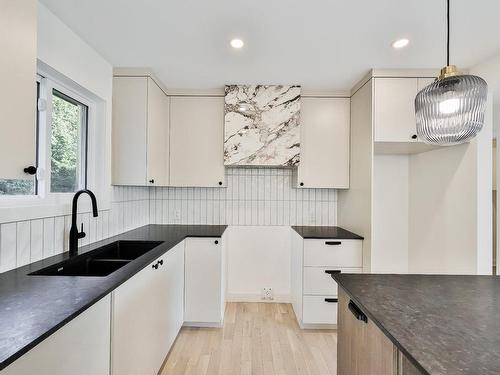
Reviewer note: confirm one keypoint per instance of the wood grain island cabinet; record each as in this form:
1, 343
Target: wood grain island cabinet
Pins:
362, 348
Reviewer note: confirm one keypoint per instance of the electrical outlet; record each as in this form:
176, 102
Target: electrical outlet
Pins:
267, 293
177, 214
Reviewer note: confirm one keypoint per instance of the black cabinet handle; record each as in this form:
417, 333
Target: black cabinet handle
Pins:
331, 300
414, 136
161, 262
301, 184
356, 311
152, 181
30, 170
331, 272
333, 243
220, 183
216, 242
155, 266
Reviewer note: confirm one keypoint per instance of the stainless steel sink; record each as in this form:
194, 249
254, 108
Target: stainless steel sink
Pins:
101, 261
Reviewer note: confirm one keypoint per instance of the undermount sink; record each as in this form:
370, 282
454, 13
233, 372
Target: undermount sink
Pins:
101, 261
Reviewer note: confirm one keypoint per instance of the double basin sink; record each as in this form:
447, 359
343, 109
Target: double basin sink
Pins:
101, 261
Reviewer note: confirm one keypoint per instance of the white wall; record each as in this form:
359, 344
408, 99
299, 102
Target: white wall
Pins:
390, 214
258, 257
59, 48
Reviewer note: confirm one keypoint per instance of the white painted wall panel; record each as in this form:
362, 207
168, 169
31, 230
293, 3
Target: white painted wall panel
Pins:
258, 257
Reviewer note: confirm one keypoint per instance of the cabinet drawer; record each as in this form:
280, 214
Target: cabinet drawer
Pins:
340, 253
318, 282
317, 310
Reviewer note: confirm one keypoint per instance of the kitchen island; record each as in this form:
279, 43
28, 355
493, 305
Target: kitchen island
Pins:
418, 324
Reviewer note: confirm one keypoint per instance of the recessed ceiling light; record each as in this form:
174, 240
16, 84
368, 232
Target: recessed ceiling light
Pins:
237, 43
400, 43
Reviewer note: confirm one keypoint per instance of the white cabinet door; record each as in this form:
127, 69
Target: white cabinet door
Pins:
18, 93
144, 317
324, 143
394, 107
174, 294
204, 299
140, 132
81, 347
196, 141
158, 135
129, 130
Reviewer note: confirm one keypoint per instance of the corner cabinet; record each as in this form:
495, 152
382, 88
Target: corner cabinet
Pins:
324, 143
314, 292
362, 348
197, 141
204, 282
81, 347
147, 314
140, 132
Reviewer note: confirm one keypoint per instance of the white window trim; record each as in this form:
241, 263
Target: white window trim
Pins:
45, 203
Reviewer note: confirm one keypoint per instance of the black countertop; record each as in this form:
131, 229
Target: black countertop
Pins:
33, 307
444, 324
311, 232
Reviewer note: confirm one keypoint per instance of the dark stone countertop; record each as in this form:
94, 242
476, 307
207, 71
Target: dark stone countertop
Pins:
33, 307
312, 232
444, 324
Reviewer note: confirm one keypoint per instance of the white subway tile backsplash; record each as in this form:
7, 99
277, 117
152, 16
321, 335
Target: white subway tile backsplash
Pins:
8, 233
23, 235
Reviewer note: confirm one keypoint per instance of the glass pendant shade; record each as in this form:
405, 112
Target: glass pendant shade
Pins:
451, 110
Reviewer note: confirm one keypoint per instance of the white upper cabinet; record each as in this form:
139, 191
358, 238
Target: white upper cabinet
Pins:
196, 141
18, 94
394, 116
324, 138
140, 132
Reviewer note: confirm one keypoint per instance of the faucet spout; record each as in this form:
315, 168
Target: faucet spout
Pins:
74, 235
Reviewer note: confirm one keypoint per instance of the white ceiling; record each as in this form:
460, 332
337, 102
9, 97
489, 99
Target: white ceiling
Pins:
320, 44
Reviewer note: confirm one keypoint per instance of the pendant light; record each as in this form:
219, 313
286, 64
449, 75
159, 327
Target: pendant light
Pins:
450, 111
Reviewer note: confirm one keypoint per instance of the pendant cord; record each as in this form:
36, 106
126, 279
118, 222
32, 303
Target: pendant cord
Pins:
448, 33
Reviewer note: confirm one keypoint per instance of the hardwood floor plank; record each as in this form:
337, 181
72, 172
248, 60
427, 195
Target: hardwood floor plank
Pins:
257, 338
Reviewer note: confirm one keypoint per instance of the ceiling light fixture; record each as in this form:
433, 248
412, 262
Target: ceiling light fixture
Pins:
237, 43
400, 43
450, 111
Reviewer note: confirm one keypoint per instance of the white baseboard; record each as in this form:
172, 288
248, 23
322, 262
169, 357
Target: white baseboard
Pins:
278, 298
317, 326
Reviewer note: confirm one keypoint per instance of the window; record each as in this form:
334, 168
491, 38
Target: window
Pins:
62, 138
68, 144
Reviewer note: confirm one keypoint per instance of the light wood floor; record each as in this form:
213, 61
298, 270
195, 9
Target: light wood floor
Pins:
257, 338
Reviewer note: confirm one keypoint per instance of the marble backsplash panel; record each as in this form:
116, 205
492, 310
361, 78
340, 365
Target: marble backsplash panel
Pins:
261, 125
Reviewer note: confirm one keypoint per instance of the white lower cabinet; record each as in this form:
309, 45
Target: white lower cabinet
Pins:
147, 313
81, 347
314, 292
204, 299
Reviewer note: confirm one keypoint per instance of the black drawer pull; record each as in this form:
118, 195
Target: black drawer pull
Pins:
331, 300
333, 243
331, 272
360, 315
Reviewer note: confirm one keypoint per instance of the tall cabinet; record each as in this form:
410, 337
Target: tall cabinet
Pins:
411, 202
140, 132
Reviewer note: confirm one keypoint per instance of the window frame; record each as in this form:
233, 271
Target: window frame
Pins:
57, 201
